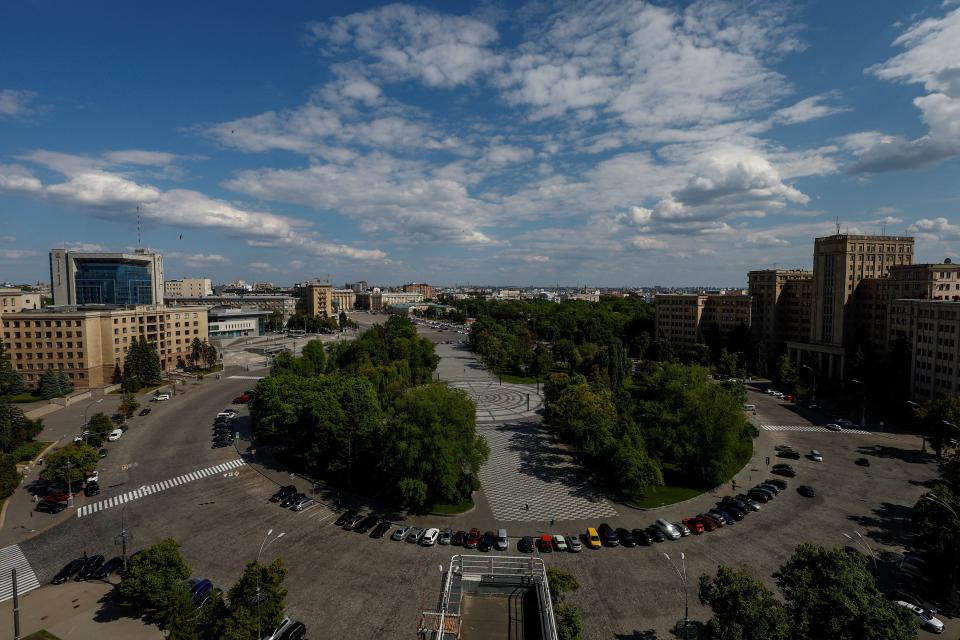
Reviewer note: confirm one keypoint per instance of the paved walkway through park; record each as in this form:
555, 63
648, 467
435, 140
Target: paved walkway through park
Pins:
529, 476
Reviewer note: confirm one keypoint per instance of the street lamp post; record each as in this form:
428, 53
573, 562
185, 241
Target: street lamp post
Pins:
69, 466
683, 580
263, 545
933, 499
863, 403
916, 407
860, 542
85, 409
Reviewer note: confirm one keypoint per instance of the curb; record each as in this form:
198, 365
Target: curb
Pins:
6, 502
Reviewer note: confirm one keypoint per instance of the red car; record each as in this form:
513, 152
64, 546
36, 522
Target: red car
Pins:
244, 399
473, 539
694, 524
709, 523
545, 543
57, 497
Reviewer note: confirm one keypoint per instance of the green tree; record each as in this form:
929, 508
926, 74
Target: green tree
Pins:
413, 493
569, 623
209, 354
15, 427
49, 384
82, 458
343, 320
787, 374
940, 421
99, 427
9, 476
129, 405
155, 579
313, 358
275, 321
938, 528
63, 380
10, 381
196, 352
257, 600
743, 608
561, 583
830, 593
179, 619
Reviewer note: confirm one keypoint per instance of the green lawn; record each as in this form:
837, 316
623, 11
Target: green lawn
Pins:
662, 496
26, 396
41, 635
451, 509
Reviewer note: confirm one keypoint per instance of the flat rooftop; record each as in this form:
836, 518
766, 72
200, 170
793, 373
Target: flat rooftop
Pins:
500, 616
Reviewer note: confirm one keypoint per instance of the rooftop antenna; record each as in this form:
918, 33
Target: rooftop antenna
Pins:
883, 228
139, 241
838, 225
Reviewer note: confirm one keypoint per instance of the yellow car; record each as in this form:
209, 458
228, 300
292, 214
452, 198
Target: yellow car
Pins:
593, 539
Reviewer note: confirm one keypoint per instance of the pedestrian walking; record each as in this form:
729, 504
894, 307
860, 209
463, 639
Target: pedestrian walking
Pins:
526, 506
551, 522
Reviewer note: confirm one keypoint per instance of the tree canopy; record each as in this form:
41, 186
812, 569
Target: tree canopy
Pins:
154, 581
743, 608
10, 380
81, 457
141, 368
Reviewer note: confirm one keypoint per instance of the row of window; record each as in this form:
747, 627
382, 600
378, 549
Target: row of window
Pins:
41, 334
45, 323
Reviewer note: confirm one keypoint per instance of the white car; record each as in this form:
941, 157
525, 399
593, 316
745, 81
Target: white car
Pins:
560, 543
834, 427
93, 477
816, 456
668, 529
115, 435
430, 537
161, 396
924, 618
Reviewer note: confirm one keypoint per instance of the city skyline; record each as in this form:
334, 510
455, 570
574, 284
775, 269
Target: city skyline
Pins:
613, 144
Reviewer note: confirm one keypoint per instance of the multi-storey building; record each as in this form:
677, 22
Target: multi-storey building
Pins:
931, 330
418, 287
272, 303
344, 300
89, 343
780, 311
377, 300
357, 287
14, 300
682, 318
225, 322
80, 278
188, 288
316, 298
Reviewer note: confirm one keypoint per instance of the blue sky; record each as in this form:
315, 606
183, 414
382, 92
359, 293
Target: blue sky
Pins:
604, 143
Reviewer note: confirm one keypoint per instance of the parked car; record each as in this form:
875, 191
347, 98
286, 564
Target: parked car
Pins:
487, 541
287, 491
816, 456
780, 483
693, 525
89, 567
400, 533
241, 399
381, 529
833, 426
754, 505
793, 455
115, 435
294, 631
415, 534
353, 522
200, 590
301, 504
626, 538
709, 524
723, 516
68, 571
573, 542
593, 538
783, 470
782, 447
641, 537
924, 618
430, 537
545, 543
473, 539
863, 462
50, 507
656, 533
608, 535
366, 524
459, 538
446, 536
807, 491
160, 397
102, 453
668, 529
774, 488
714, 520
525, 545
289, 501
759, 496
107, 568
92, 489
683, 529
502, 541
145, 412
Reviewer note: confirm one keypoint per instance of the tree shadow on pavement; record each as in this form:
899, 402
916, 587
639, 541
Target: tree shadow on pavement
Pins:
649, 634
110, 610
886, 525
912, 456
541, 458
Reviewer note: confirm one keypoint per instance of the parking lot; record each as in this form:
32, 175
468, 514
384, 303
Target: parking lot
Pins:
377, 587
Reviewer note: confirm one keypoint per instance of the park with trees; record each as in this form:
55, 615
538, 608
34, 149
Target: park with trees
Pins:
370, 404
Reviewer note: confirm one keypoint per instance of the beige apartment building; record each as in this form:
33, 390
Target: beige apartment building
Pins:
15, 300
931, 328
344, 300
419, 287
89, 342
780, 311
377, 300
188, 287
316, 298
681, 318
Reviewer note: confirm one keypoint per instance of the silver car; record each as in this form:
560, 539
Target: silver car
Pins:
573, 542
415, 534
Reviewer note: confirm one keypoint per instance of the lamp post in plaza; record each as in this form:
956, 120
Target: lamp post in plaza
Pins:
682, 575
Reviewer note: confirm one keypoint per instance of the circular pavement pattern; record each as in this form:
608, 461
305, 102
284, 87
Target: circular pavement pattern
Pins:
499, 403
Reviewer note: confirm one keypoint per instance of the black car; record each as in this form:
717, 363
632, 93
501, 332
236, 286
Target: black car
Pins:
352, 522
655, 533
806, 491
525, 544
863, 462
223, 435
459, 538
626, 538
735, 503
145, 411
608, 535
50, 507
640, 536
294, 631
342, 520
759, 496
103, 453
780, 483
116, 417
108, 567
68, 571
89, 567
783, 470
793, 455
487, 540
92, 489
732, 510
290, 499
381, 529
283, 492
364, 525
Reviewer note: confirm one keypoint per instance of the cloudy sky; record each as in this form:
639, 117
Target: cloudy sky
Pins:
604, 143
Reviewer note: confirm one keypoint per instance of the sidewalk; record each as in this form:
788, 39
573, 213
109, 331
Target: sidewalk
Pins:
75, 611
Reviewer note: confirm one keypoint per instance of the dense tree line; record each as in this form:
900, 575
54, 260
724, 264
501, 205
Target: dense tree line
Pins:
10, 381
366, 415
827, 593
16, 432
141, 368
202, 352
312, 324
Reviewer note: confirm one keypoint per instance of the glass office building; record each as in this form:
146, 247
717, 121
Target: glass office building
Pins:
112, 282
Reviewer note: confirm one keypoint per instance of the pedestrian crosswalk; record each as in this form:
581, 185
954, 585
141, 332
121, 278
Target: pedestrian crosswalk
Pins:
146, 490
12, 557
809, 428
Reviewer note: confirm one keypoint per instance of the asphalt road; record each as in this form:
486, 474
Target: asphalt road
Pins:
346, 583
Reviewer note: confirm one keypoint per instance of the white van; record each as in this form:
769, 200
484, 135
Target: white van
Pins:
668, 529
750, 407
